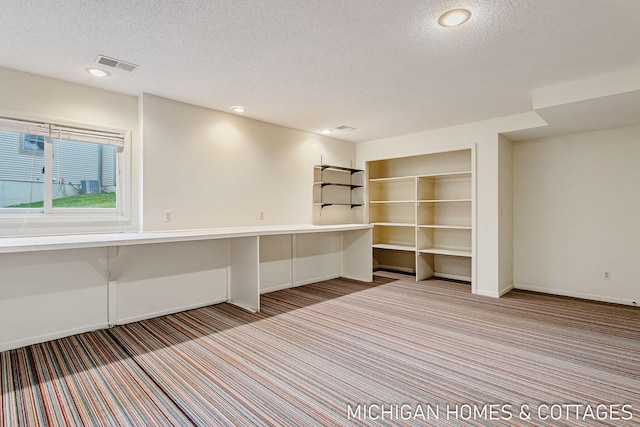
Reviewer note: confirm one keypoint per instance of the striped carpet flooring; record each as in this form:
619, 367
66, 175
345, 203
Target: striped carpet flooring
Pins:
395, 352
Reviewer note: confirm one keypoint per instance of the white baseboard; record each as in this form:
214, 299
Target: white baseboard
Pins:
582, 295
507, 289
316, 279
495, 294
452, 277
487, 293
396, 268
275, 288
173, 310
52, 336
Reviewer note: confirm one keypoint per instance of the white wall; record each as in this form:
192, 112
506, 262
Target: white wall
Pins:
576, 211
215, 169
33, 96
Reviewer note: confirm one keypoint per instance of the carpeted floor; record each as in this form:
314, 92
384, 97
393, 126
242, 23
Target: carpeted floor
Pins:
395, 352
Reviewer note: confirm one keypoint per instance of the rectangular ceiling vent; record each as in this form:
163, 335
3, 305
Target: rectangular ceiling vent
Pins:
346, 128
115, 63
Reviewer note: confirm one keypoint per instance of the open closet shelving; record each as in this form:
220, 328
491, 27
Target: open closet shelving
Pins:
421, 209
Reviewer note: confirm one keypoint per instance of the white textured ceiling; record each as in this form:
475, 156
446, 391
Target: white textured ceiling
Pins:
382, 66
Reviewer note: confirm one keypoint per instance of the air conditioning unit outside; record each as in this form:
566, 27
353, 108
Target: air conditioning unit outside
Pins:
90, 186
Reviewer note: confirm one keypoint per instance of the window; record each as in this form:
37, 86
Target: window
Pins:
32, 144
48, 169
21, 172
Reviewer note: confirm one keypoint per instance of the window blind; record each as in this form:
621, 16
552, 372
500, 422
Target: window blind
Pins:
24, 126
63, 132
91, 136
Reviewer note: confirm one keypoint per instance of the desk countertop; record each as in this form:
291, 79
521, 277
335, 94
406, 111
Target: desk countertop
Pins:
75, 241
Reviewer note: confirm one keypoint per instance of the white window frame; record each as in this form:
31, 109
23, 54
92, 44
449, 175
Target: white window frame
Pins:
85, 219
29, 151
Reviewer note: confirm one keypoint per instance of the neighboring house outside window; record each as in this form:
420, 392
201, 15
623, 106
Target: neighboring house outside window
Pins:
49, 168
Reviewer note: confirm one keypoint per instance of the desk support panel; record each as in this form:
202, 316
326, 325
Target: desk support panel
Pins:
244, 273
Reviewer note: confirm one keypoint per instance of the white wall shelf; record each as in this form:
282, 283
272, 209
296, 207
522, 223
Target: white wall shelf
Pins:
380, 202
338, 168
428, 214
449, 175
338, 186
445, 201
453, 227
352, 205
394, 247
393, 179
449, 252
393, 224
324, 184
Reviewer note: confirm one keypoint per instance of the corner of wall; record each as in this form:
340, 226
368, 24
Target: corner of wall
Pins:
505, 214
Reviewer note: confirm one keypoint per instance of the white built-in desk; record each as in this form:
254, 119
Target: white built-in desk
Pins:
55, 286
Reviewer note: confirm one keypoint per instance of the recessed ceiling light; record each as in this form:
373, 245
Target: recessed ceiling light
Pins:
326, 131
97, 72
454, 17
239, 109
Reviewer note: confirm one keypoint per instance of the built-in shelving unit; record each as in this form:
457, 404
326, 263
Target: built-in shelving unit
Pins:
338, 185
421, 208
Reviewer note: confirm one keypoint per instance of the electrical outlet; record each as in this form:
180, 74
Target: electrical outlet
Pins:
167, 215
261, 215
606, 275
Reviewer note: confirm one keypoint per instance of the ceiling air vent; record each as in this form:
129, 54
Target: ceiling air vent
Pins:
115, 63
345, 128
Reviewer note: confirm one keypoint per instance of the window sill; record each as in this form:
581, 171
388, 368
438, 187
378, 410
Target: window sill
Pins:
26, 225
